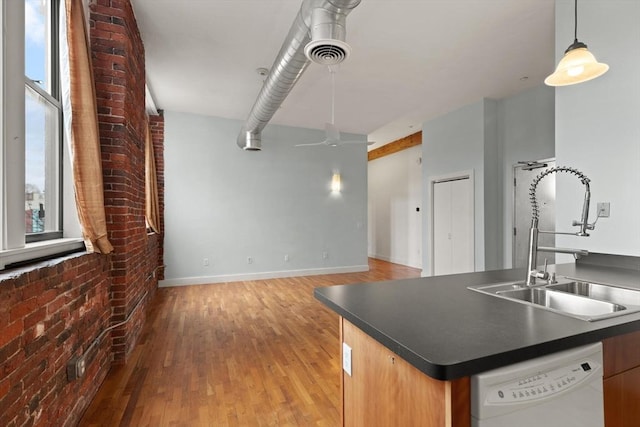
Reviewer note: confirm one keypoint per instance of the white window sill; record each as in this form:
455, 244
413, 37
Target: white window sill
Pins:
36, 250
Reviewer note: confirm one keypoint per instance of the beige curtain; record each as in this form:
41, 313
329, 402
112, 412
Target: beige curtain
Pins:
85, 141
152, 210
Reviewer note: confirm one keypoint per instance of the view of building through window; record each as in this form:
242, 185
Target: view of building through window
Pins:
42, 117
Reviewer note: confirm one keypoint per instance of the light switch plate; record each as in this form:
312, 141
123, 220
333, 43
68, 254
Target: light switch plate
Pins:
604, 209
346, 358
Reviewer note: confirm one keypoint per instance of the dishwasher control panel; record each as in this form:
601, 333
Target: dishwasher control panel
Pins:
558, 389
543, 384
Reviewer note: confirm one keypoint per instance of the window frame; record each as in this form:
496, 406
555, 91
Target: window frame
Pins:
15, 247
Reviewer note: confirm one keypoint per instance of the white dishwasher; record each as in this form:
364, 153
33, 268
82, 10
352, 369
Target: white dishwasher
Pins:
561, 389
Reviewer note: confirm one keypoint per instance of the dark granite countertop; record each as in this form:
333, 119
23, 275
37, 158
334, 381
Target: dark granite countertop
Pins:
448, 331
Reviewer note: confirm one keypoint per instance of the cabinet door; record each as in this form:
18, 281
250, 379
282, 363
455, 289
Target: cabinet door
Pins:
385, 390
621, 384
622, 399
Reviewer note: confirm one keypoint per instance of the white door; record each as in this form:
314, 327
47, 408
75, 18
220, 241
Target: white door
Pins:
453, 227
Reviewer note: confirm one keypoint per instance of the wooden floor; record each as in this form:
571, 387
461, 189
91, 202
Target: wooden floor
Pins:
254, 353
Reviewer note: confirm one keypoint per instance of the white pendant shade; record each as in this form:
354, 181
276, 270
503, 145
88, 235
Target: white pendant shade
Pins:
578, 65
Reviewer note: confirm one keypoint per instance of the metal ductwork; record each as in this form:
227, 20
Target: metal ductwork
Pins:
317, 34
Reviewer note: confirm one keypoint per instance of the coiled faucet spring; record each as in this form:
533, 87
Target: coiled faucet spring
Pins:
532, 260
534, 185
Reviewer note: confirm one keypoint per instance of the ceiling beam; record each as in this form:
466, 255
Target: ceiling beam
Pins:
395, 146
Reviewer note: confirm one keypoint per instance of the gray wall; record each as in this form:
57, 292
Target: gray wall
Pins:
488, 137
226, 205
460, 141
492, 158
526, 132
598, 125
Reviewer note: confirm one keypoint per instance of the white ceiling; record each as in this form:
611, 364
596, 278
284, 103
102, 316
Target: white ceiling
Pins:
411, 60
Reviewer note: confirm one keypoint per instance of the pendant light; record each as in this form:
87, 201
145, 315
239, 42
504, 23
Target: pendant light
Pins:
578, 64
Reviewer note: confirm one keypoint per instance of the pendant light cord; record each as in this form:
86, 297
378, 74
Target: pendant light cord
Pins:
576, 44
575, 21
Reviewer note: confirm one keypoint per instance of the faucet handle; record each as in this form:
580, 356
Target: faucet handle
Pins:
544, 274
587, 226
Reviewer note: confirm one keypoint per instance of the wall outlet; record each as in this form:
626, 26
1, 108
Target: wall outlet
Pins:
76, 368
205, 262
346, 358
325, 255
604, 209
286, 258
249, 260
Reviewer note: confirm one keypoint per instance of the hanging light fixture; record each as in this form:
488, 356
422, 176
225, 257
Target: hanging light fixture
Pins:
578, 64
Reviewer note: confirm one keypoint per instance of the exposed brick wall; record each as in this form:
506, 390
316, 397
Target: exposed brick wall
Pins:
118, 62
49, 312
52, 311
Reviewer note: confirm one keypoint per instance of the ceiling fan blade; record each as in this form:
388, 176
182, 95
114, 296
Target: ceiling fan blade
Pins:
312, 143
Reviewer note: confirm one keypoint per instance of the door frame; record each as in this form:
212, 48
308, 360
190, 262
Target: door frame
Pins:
514, 168
454, 176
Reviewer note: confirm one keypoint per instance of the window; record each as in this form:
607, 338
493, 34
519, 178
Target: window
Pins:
42, 121
33, 158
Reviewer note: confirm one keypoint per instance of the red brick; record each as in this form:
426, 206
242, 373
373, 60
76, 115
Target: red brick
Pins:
12, 363
23, 308
56, 305
10, 332
35, 317
4, 386
46, 297
33, 289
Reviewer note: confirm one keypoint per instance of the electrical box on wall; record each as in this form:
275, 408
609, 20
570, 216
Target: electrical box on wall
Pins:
346, 358
76, 368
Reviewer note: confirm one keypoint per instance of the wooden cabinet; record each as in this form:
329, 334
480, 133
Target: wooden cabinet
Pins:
622, 380
385, 390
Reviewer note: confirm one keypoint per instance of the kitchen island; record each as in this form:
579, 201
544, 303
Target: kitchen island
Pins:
431, 334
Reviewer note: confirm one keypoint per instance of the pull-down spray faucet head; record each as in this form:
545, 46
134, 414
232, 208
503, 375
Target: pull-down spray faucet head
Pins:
584, 218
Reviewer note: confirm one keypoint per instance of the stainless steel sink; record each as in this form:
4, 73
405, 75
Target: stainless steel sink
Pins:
575, 298
564, 302
599, 291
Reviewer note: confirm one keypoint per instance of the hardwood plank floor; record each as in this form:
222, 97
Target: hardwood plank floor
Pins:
253, 353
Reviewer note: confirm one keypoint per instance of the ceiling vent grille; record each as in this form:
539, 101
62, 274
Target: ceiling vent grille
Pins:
327, 52
319, 29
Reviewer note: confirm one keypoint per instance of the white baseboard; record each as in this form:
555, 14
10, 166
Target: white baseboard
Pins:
203, 280
394, 260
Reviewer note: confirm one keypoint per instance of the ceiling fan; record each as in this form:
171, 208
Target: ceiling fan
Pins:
332, 134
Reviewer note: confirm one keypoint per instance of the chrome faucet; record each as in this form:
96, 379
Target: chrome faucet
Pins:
532, 272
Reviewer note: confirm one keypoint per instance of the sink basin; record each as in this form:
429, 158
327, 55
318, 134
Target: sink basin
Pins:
564, 302
574, 298
599, 291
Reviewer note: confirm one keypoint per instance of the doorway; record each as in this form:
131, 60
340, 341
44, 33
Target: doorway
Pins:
523, 175
452, 224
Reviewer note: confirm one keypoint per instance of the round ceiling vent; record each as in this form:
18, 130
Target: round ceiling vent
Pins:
327, 52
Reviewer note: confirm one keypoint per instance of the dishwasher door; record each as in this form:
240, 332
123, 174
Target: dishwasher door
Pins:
561, 389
